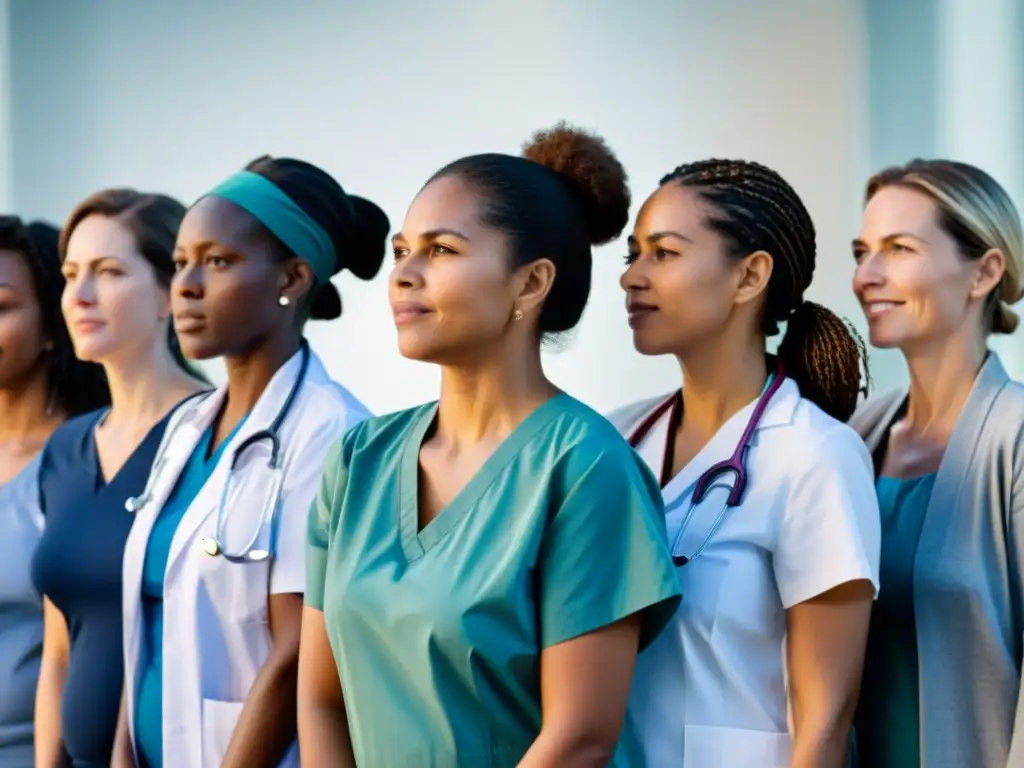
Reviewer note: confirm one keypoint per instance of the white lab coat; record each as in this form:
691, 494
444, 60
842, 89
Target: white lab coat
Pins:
710, 691
216, 635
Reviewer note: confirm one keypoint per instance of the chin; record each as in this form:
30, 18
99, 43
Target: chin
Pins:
648, 346
93, 350
198, 348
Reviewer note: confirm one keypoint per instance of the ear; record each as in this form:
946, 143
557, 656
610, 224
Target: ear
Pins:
296, 280
988, 271
533, 284
753, 274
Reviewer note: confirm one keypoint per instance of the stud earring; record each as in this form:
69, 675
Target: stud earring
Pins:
284, 301
517, 315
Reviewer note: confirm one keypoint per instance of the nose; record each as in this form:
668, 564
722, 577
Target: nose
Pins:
188, 282
82, 290
407, 272
869, 273
635, 277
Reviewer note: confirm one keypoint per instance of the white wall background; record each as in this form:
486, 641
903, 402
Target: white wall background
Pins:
174, 96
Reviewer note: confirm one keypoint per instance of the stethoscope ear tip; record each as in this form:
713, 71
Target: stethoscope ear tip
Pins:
680, 560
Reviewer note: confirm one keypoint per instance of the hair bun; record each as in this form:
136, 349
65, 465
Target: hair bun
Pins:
592, 171
365, 254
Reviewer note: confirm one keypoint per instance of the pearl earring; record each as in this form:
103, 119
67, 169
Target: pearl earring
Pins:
518, 315
284, 301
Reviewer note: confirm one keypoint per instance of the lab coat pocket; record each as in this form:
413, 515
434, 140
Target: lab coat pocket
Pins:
715, 747
219, 721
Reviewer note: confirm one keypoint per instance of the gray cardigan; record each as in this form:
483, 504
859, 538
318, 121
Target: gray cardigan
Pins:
968, 578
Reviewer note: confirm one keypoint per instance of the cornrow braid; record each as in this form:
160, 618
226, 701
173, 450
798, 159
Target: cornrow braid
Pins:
754, 209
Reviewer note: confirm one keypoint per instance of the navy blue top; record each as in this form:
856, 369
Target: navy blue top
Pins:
77, 565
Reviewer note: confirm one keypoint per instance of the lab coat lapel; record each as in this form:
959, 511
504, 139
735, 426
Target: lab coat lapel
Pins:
180, 437
779, 412
262, 415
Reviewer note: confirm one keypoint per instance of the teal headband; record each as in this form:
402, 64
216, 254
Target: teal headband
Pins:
286, 220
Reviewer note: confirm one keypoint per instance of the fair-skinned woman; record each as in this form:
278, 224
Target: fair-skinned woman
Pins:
214, 567
939, 258
780, 560
484, 569
41, 385
116, 254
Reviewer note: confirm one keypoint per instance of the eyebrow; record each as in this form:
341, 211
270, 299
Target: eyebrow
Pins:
858, 243
656, 236
433, 234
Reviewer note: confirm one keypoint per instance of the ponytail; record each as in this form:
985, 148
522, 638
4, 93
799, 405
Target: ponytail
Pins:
823, 354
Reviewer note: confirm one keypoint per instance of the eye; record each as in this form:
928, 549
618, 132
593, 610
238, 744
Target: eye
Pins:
110, 271
441, 250
664, 253
178, 264
400, 253
901, 248
215, 261
631, 257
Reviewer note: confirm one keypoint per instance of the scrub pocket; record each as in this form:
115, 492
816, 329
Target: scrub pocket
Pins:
713, 747
219, 721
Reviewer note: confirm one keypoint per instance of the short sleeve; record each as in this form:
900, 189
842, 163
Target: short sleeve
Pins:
604, 555
318, 527
288, 573
830, 532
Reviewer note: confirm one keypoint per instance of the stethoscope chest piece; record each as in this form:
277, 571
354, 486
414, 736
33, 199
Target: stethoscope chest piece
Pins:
210, 546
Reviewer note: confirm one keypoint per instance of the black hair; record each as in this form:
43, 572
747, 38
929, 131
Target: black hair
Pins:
754, 209
153, 221
566, 193
74, 386
357, 227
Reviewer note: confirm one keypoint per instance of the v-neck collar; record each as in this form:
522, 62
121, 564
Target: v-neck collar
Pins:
416, 543
102, 483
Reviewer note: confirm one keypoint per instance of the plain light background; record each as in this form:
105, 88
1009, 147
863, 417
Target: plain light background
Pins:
173, 97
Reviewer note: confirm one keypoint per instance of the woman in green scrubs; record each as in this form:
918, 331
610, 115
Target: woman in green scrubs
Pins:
483, 570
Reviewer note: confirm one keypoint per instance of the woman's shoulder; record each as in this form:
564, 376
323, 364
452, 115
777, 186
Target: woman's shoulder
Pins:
71, 436
626, 416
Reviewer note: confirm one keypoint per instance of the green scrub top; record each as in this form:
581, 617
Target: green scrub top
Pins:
437, 633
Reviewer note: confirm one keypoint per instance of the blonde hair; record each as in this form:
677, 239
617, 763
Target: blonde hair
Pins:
978, 214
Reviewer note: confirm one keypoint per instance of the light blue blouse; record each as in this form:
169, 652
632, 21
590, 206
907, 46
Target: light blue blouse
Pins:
21, 615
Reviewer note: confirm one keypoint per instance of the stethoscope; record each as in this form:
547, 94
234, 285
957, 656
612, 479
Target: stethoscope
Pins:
213, 545
735, 464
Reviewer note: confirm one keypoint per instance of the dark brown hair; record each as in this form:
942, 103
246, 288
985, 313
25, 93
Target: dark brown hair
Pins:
567, 193
75, 386
153, 221
756, 210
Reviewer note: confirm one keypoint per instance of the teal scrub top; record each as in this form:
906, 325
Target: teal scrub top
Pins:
437, 633
886, 724
149, 701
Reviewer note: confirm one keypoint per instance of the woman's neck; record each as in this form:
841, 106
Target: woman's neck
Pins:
25, 409
719, 383
145, 388
489, 400
941, 379
249, 376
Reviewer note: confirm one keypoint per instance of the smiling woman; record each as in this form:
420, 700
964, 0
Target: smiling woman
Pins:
483, 570
939, 260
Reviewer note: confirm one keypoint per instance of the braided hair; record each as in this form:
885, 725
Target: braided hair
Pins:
756, 210
75, 387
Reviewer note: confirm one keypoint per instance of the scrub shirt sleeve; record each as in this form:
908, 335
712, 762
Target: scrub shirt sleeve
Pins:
604, 556
319, 523
288, 573
830, 532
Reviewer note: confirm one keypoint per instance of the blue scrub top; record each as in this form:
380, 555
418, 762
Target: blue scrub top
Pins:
149, 702
77, 565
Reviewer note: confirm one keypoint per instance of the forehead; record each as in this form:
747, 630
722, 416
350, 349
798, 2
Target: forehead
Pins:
673, 208
14, 271
898, 209
216, 220
446, 203
97, 237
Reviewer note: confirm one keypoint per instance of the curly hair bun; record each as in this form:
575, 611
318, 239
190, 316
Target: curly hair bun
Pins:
596, 177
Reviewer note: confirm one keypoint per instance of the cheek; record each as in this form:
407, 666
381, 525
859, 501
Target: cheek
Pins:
20, 339
255, 290
694, 295
472, 299
129, 305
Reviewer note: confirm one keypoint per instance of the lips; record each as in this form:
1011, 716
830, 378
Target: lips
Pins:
876, 309
189, 322
409, 311
638, 312
87, 325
